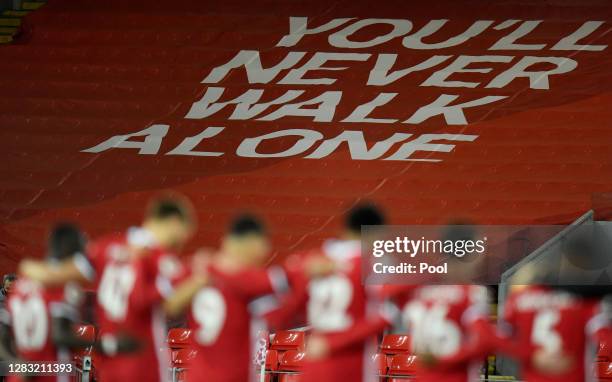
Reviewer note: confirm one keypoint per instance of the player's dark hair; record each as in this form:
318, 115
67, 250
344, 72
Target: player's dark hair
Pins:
170, 207
246, 224
65, 241
363, 214
9, 277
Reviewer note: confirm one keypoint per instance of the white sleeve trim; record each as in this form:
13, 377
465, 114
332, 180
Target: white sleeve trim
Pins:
164, 286
84, 266
278, 279
596, 323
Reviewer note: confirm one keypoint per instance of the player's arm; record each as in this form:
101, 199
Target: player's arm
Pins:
290, 306
479, 342
479, 332
178, 301
254, 283
76, 269
358, 333
361, 330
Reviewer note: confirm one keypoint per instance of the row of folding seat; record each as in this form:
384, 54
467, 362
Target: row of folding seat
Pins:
603, 365
393, 362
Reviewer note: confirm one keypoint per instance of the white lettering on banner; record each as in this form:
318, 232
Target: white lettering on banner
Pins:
298, 28
246, 106
153, 138
419, 71
380, 75
360, 114
186, 147
309, 139
415, 41
296, 76
509, 42
452, 113
252, 63
357, 145
570, 42
459, 66
424, 143
323, 113
340, 39
248, 147
537, 79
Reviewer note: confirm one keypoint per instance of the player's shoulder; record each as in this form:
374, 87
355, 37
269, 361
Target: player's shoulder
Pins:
477, 293
169, 264
111, 246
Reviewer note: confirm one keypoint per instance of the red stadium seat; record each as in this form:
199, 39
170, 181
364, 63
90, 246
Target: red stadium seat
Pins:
402, 365
291, 360
272, 360
289, 378
179, 338
86, 332
395, 344
604, 353
182, 357
380, 362
288, 340
604, 371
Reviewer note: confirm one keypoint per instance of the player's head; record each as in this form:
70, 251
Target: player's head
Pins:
7, 282
464, 265
360, 215
171, 220
65, 241
247, 240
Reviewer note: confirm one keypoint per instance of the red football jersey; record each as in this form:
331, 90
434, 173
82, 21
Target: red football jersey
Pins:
31, 308
222, 317
449, 322
130, 289
556, 321
340, 307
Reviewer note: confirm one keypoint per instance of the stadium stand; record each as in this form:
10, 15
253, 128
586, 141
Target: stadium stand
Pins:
81, 72
11, 19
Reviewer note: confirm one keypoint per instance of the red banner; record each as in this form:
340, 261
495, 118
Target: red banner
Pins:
495, 112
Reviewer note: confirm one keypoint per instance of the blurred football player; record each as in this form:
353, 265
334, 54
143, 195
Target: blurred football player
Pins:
547, 328
343, 316
549, 324
135, 272
38, 320
222, 305
448, 325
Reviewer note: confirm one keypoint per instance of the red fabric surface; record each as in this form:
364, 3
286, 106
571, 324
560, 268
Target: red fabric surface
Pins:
88, 70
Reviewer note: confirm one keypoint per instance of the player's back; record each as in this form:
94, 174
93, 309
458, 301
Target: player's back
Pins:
555, 321
30, 307
222, 321
129, 292
336, 304
440, 319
